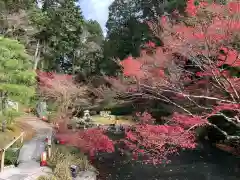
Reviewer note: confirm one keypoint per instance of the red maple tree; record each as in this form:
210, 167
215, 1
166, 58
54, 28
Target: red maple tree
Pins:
188, 72
61, 90
90, 141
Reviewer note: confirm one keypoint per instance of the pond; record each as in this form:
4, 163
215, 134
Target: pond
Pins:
204, 163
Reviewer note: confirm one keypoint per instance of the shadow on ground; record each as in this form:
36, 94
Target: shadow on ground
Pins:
205, 163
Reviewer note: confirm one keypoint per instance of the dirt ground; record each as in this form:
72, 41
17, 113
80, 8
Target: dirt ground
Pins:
14, 130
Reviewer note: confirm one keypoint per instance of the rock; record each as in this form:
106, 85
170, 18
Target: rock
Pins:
92, 113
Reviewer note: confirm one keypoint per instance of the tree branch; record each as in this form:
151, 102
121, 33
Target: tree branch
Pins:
228, 137
233, 121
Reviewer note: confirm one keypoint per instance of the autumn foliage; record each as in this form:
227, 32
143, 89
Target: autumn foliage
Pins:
192, 71
60, 89
90, 141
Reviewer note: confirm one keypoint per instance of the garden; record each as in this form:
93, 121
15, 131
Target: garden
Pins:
170, 111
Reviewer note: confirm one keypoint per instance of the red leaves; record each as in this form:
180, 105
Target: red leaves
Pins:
163, 20
94, 140
230, 57
49, 82
157, 142
191, 9
161, 73
150, 44
131, 67
59, 87
225, 106
142, 68
46, 78
130, 136
187, 121
89, 141
212, 72
145, 118
234, 7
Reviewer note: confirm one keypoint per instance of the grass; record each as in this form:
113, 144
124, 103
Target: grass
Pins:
7, 136
50, 177
127, 120
71, 154
60, 161
14, 128
13, 131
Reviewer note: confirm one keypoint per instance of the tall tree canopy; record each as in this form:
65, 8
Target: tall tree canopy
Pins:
127, 25
89, 55
16, 75
60, 24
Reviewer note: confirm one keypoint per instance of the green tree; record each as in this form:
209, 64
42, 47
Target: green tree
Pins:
90, 54
15, 22
16, 75
127, 28
95, 32
60, 25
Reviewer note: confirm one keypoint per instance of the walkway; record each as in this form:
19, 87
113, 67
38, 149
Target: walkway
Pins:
29, 167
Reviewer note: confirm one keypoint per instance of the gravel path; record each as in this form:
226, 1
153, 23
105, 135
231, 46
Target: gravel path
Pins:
29, 166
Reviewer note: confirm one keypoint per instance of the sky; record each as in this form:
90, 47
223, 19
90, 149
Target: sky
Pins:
96, 10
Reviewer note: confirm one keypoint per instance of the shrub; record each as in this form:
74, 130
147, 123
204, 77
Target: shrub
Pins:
61, 160
11, 155
62, 170
11, 114
70, 154
45, 177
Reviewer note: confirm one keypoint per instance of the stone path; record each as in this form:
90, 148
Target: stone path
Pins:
29, 167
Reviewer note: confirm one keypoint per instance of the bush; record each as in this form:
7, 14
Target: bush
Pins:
56, 157
51, 177
11, 155
11, 114
71, 154
62, 170
61, 160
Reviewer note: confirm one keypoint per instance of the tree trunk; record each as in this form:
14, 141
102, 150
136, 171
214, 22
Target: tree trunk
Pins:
36, 56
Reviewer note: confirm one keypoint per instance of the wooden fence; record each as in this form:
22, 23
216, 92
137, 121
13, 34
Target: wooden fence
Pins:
2, 151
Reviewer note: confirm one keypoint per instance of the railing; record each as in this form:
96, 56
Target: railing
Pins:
2, 151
